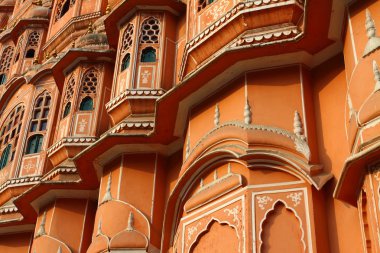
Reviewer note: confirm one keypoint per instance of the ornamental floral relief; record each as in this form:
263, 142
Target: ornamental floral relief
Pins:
216, 10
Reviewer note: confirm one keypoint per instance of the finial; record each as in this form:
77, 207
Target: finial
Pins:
376, 72
35, 61
73, 44
107, 196
90, 28
55, 53
373, 41
108, 9
297, 124
350, 106
201, 183
59, 249
216, 115
47, 56
247, 113
131, 220
41, 231
229, 168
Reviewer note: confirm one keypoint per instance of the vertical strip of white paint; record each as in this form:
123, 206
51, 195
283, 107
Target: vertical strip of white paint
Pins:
303, 104
120, 176
352, 37
245, 86
154, 189
52, 215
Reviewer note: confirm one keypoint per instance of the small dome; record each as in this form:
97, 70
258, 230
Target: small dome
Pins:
39, 12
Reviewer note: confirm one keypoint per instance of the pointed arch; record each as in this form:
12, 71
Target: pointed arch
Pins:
5, 64
88, 89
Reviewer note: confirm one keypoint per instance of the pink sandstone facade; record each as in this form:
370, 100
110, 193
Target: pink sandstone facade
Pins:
189, 126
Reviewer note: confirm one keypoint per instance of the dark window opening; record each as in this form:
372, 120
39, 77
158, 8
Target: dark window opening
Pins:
65, 8
126, 62
30, 53
34, 144
148, 55
67, 109
87, 104
17, 57
5, 156
3, 79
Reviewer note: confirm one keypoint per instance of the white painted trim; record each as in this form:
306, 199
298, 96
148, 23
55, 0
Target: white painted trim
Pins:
153, 189
303, 103
352, 37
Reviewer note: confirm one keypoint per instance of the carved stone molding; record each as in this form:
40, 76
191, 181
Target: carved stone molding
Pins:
71, 141
155, 93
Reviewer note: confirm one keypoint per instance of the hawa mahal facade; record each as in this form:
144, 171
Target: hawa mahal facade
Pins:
201, 126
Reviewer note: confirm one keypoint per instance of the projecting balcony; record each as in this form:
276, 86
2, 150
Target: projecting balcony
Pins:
133, 102
229, 25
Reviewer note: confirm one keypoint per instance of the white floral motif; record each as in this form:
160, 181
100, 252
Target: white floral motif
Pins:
296, 197
263, 200
191, 231
145, 76
82, 125
217, 11
235, 213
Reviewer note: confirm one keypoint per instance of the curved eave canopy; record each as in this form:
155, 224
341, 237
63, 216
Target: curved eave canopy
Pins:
21, 25
353, 172
125, 7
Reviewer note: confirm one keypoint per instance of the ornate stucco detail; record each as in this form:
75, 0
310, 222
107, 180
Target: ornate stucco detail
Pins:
373, 41
262, 201
19, 181
297, 124
376, 72
107, 196
127, 125
131, 220
58, 171
8, 209
247, 113
41, 231
216, 115
71, 141
149, 94
296, 197
268, 37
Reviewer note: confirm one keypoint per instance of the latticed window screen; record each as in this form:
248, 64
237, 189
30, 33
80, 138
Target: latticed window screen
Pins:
62, 7
88, 90
127, 38
150, 31
69, 93
33, 39
203, 3
5, 63
9, 135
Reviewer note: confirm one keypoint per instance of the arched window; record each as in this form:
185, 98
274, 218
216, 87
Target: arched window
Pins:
5, 156
87, 104
34, 144
40, 113
69, 93
126, 62
30, 53
148, 55
5, 63
150, 31
9, 134
63, 7
88, 90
